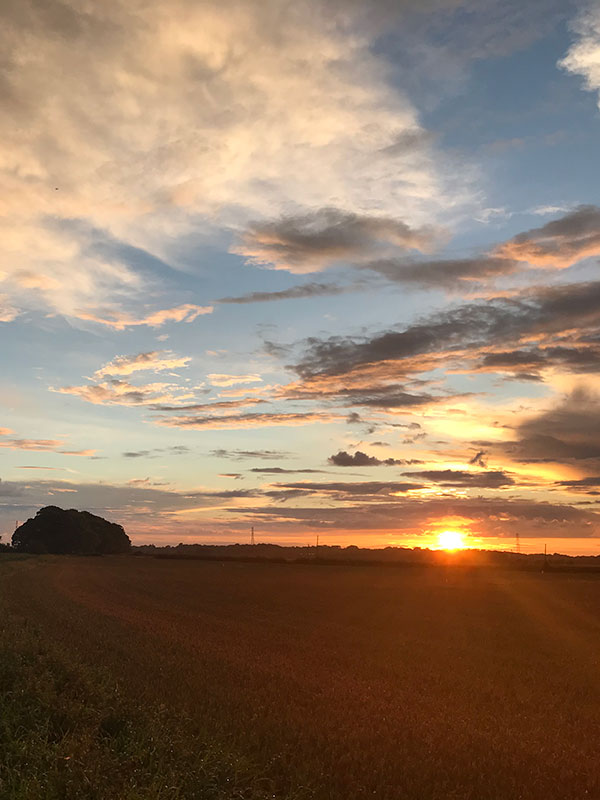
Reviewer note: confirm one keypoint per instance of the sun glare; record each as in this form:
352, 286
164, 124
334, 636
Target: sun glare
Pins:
451, 540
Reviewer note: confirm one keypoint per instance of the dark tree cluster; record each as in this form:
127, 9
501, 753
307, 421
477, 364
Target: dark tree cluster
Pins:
54, 530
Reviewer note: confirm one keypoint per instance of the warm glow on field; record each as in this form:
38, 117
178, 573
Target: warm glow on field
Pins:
451, 540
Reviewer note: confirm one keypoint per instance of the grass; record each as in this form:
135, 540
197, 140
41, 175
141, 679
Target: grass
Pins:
138, 678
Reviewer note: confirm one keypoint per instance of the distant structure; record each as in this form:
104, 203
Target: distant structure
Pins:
252, 536
517, 543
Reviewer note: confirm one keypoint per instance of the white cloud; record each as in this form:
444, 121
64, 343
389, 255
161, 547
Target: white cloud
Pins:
583, 57
148, 120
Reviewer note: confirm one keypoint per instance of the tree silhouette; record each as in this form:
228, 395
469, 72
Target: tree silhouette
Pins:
54, 530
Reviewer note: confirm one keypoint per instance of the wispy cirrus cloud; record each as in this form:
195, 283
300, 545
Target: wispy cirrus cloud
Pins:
218, 379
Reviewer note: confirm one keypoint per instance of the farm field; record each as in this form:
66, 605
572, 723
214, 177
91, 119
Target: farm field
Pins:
125, 677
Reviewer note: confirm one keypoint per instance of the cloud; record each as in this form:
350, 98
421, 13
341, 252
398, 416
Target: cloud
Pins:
8, 312
121, 321
153, 361
560, 243
369, 394
282, 471
51, 445
124, 503
122, 393
485, 517
360, 459
156, 452
448, 273
477, 480
583, 57
217, 406
530, 364
542, 211
53, 469
311, 289
479, 459
217, 379
320, 239
346, 489
570, 431
181, 92
31, 444
566, 317
242, 455
230, 421
589, 484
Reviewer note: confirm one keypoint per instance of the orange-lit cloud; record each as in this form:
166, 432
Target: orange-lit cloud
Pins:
118, 392
228, 421
120, 321
153, 361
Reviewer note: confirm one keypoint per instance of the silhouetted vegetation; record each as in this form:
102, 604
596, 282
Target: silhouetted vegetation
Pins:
54, 530
386, 556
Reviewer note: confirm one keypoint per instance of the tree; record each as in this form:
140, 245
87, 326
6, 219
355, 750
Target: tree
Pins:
54, 530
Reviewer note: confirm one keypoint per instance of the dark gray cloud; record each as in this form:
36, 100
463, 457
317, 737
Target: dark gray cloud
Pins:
479, 459
448, 273
494, 517
582, 483
282, 471
313, 241
348, 489
312, 289
360, 459
376, 396
569, 431
460, 334
492, 479
243, 455
529, 364
157, 452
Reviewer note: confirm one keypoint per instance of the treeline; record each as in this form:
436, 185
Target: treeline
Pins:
387, 556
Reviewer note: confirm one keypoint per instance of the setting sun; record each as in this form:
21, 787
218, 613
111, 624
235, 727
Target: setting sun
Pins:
451, 540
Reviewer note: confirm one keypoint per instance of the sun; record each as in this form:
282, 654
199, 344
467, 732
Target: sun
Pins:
451, 540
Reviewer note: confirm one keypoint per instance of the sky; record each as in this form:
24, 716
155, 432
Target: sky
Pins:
318, 267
